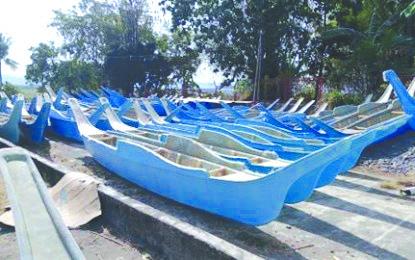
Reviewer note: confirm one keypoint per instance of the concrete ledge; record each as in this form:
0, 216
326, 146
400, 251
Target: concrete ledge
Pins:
156, 229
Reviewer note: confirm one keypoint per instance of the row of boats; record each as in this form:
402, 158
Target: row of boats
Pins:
240, 162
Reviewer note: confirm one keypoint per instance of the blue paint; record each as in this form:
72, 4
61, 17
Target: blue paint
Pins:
256, 201
10, 129
34, 131
63, 123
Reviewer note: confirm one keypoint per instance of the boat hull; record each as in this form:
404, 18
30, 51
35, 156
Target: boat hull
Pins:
10, 129
69, 129
346, 158
34, 132
240, 201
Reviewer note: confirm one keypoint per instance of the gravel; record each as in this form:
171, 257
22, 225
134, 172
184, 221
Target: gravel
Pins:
394, 156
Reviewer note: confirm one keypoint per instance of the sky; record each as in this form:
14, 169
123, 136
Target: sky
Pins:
26, 23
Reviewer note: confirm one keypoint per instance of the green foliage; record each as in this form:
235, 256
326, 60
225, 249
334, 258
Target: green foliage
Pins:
183, 59
228, 32
107, 42
307, 92
409, 10
44, 67
9, 89
4, 52
75, 74
244, 89
90, 29
368, 39
49, 68
336, 98
137, 65
348, 43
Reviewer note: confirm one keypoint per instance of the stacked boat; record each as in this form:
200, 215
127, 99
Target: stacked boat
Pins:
243, 168
17, 122
238, 162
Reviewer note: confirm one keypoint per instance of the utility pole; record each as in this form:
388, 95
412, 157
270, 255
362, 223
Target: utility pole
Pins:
257, 83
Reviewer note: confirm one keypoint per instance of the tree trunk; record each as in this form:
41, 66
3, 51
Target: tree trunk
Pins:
319, 90
319, 85
1, 78
185, 89
320, 82
286, 88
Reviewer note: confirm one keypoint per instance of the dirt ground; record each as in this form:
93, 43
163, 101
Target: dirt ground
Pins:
389, 181
96, 241
74, 157
95, 244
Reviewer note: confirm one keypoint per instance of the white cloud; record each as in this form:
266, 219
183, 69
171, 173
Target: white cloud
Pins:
26, 23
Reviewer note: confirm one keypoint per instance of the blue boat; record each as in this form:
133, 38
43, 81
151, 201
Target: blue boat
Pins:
222, 144
267, 123
35, 105
59, 99
286, 148
238, 195
62, 122
380, 117
341, 116
406, 100
9, 121
116, 100
32, 125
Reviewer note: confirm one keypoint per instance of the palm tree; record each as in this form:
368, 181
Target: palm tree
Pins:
4, 52
381, 41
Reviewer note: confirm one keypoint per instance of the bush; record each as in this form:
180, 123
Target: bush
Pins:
308, 93
9, 89
244, 89
336, 98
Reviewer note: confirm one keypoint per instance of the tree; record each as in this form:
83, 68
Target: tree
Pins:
183, 58
44, 67
89, 29
137, 65
229, 33
135, 59
4, 52
365, 38
116, 37
50, 67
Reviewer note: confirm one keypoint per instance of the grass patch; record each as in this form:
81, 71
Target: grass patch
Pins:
399, 182
28, 92
390, 185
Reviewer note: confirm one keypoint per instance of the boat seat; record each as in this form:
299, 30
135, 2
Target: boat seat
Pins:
239, 176
188, 161
350, 131
398, 112
219, 172
257, 160
179, 158
361, 128
163, 152
29, 118
275, 163
108, 139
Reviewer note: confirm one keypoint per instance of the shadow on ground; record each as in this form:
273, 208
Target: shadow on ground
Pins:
258, 240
